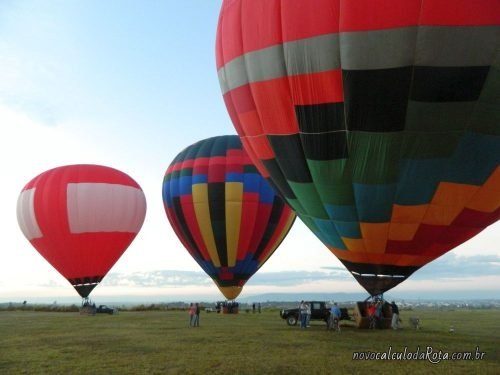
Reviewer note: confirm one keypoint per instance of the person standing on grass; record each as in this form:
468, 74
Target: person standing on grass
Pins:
395, 315
191, 312
302, 314
308, 313
196, 322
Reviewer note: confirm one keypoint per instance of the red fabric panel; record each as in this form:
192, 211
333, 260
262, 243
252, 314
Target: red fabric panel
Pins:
253, 157
216, 171
82, 173
248, 221
263, 213
224, 274
325, 87
84, 254
472, 218
229, 34
260, 146
363, 15
231, 110
305, 18
460, 12
275, 107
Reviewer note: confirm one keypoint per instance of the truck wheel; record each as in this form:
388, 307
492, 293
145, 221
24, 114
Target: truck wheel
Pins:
291, 320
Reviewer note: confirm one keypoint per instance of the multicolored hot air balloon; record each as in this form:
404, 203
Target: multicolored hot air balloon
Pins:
81, 218
224, 212
377, 120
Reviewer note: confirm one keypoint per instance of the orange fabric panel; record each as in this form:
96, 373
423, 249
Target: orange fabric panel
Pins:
451, 194
354, 244
403, 231
487, 198
324, 87
408, 214
374, 258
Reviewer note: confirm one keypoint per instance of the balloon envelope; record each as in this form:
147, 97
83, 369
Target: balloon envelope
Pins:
81, 218
224, 212
378, 121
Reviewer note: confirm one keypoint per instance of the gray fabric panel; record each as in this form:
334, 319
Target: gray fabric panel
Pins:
379, 49
435, 46
457, 46
317, 54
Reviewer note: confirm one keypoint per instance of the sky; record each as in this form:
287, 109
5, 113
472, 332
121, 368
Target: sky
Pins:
129, 84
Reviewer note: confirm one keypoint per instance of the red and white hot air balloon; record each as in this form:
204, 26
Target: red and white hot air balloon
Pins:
81, 218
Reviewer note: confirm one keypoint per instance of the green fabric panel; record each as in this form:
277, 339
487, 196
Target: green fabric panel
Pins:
435, 145
186, 172
374, 157
486, 117
438, 116
309, 198
295, 205
334, 186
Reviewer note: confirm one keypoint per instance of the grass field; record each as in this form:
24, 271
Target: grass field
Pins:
161, 342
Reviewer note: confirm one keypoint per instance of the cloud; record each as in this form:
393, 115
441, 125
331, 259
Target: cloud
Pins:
447, 267
453, 266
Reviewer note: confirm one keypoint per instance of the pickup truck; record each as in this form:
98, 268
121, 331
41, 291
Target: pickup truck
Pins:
319, 311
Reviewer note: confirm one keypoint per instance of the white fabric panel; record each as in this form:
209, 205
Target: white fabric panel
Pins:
98, 207
26, 215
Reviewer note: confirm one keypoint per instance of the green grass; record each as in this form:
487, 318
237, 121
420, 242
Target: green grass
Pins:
162, 343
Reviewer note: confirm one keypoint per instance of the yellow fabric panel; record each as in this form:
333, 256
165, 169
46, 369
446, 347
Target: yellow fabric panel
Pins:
441, 215
234, 195
387, 258
230, 292
202, 211
403, 231
487, 198
408, 214
374, 236
279, 239
354, 244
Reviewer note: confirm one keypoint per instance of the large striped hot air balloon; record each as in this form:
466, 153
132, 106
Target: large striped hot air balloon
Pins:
377, 120
224, 212
81, 218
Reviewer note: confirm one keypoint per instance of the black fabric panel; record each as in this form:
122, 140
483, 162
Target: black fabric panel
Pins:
450, 84
378, 285
278, 182
273, 221
320, 118
325, 146
376, 100
186, 232
290, 157
85, 285
375, 285
216, 201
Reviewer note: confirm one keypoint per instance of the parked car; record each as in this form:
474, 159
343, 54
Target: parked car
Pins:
319, 311
103, 309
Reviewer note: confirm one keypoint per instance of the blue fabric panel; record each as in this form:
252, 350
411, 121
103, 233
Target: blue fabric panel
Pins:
374, 202
419, 180
342, 213
328, 234
234, 177
348, 229
474, 160
198, 179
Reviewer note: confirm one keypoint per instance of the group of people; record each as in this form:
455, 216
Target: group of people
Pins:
194, 314
375, 314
